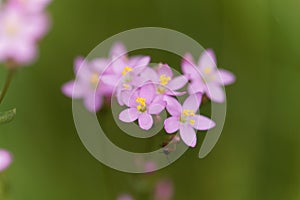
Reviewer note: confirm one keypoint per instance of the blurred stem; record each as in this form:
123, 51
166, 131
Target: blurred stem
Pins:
7, 82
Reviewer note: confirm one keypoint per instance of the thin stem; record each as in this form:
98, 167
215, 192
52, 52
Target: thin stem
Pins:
7, 82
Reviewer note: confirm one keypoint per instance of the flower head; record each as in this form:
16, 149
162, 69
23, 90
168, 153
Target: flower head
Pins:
185, 118
19, 33
5, 159
164, 190
88, 85
142, 104
205, 77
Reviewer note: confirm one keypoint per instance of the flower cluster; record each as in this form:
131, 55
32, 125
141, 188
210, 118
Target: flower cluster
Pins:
146, 91
22, 25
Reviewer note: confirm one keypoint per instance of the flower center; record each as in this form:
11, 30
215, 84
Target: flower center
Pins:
11, 27
94, 79
142, 107
126, 70
187, 116
208, 74
164, 80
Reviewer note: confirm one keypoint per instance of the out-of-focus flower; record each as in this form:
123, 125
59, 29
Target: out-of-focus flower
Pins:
5, 159
143, 103
185, 119
32, 6
88, 85
164, 190
205, 77
19, 33
125, 197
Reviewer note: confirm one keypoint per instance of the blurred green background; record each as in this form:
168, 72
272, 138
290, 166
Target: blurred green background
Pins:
257, 156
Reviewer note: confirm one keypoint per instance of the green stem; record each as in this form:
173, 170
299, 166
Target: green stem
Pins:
9, 77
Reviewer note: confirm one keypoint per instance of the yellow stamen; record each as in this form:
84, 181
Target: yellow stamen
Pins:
126, 70
164, 80
192, 122
188, 113
142, 104
207, 70
126, 86
94, 79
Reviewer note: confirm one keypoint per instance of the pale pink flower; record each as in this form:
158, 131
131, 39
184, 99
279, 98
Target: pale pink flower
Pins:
88, 85
164, 190
185, 118
5, 159
205, 77
19, 32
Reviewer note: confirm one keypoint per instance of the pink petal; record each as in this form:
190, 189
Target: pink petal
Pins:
145, 121
164, 69
155, 109
112, 80
118, 49
129, 115
171, 124
215, 92
93, 102
148, 92
139, 61
195, 87
68, 90
226, 77
188, 135
192, 102
177, 83
173, 106
188, 67
203, 123
207, 60
77, 63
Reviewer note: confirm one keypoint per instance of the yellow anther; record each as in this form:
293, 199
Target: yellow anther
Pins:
142, 104
126, 70
141, 101
188, 113
94, 79
126, 86
207, 70
164, 80
192, 122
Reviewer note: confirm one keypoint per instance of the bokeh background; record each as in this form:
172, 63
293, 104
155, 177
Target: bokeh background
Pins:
257, 156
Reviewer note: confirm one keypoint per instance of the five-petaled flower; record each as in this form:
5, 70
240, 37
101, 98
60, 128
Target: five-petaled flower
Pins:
205, 77
88, 85
185, 118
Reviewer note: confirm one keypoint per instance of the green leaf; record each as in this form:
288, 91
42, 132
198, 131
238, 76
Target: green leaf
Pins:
7, 116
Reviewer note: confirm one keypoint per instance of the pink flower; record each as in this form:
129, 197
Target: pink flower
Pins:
205, 77
19, 32
163, 190
166, 83
125, 197
32, 6
5, 159
185, 119
88, 85
142, 104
